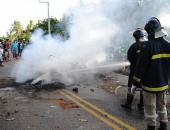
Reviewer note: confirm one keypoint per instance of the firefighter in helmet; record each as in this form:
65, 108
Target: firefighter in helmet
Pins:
132, 55
152, 73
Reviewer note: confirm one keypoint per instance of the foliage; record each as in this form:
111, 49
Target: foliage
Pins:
17, 28
25, 34
57, 27
15, 31
62, 27
44, 25
10, 35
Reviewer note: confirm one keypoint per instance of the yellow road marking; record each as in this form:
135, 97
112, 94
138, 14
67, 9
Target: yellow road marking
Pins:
92, 112
103, 112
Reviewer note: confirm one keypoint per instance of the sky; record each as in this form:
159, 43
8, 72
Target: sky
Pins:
26, 10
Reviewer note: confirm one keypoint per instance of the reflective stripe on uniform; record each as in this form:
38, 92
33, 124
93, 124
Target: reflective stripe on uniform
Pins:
155, 89
160, 56
136, 79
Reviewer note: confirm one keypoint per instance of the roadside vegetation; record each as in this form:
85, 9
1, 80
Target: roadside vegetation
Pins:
18, 32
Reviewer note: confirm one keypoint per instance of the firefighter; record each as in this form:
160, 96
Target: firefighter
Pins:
132, 55
152, 73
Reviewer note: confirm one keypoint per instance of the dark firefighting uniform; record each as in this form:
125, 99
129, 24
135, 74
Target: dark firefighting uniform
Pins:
132, 56
152, 72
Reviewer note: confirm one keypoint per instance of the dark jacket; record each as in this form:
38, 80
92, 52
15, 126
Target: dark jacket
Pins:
154, 65
132, 56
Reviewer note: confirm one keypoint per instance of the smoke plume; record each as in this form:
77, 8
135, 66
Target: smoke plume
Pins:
98, 29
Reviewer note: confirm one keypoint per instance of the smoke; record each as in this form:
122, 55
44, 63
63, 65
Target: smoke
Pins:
132, 14
97, 29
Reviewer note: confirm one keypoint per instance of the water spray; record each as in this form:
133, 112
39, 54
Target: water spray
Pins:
119, 64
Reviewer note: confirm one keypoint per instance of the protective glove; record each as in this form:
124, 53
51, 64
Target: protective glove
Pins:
133, 89
129, 89
137, 84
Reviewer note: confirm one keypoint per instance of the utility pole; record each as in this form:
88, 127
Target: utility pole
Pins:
49, 32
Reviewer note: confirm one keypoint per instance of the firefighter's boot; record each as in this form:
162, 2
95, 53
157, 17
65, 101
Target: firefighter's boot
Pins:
140, 105
150, 128
128, 103
163, 126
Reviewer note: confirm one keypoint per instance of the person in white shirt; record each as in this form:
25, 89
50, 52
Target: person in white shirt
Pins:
1, 55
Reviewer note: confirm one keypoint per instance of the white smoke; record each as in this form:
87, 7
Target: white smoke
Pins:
165, 18
96, 27
90, 34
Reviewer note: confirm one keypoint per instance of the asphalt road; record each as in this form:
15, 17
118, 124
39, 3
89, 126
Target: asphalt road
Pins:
94, 106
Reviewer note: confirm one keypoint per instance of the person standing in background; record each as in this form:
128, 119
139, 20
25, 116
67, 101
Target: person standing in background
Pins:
5, 51
20, 46
14, 47
1, 55
8, 45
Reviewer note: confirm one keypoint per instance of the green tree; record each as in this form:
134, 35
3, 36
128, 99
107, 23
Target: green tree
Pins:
17, 28
44, 25
15, 31
25, 34
10, 35
57, 27
30, 26
62, 28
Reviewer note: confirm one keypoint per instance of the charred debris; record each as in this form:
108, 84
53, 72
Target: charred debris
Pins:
40, 85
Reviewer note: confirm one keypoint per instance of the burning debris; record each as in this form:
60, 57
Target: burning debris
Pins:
3, 100
92, 90
38, 86
30, 87
75, 90
63, 103
6, 82
50, 86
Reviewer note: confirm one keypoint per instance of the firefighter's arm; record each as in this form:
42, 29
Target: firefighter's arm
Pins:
143, 61
136, 82
130, 53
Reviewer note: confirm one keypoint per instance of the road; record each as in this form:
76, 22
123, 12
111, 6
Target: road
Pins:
94, 106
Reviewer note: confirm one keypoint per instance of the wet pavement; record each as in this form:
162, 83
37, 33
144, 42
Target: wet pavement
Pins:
93, 106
